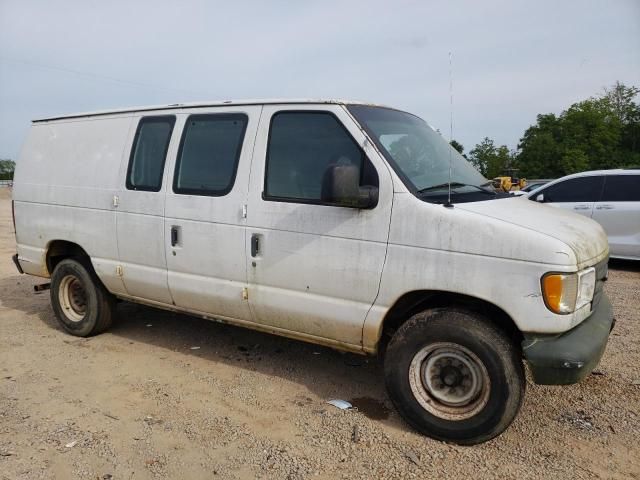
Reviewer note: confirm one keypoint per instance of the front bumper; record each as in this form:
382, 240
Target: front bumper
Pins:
569, 357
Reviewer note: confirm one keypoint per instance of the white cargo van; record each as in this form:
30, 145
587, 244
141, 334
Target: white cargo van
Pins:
325, 221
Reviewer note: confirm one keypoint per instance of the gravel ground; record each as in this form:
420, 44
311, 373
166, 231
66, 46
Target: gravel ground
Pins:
163, 395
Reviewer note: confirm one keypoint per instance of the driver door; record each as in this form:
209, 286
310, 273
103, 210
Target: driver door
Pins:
313, 268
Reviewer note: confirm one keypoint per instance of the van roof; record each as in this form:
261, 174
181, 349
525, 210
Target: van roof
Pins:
220, 103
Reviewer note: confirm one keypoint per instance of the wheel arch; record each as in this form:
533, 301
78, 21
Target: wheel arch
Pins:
58, 250
418, 300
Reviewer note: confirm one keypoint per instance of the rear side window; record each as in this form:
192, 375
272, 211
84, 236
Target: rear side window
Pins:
149, 152
209, 153
621, 188
302, 145
582, 189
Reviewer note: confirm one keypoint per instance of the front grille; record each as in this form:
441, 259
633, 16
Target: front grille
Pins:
602, 272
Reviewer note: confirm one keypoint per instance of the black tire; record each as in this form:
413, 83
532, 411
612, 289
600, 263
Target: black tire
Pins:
81, 303
432, 364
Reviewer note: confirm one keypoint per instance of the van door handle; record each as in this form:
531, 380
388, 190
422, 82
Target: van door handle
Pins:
174, 236
581, 207
255, 245
604, 207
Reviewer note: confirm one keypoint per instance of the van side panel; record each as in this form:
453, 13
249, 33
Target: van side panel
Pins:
65, 182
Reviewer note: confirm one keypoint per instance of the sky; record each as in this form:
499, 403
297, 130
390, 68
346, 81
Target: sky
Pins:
511, 60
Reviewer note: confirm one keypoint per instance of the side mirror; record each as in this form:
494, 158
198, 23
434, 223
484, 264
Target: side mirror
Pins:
540, 198
341, 187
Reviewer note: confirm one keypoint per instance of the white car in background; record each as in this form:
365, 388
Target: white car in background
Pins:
610, 197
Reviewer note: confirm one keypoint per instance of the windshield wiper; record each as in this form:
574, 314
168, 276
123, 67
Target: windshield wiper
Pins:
440, 186
456, 185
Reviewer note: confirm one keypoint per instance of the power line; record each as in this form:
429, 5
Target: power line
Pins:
97, 76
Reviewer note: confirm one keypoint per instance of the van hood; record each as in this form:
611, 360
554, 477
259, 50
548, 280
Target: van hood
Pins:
584, 236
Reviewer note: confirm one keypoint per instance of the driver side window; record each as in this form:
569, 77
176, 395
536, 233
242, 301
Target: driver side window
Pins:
302, 147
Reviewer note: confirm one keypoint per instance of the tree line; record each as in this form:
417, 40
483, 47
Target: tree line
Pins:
598, 133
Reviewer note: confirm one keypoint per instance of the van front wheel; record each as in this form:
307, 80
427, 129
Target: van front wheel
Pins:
81, 303
454, 376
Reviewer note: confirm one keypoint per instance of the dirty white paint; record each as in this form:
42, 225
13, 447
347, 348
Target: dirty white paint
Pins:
496, 251
207, 269
320, 266
67, 175
323, 274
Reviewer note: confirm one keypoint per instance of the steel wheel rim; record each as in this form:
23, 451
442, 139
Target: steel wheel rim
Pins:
449, 381
73, 298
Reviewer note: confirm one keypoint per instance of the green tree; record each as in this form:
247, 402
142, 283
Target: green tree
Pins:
479, 155
457, 145
539, 154
489, 159
620, 102
574, 160
597, 133
7, 168
590, 126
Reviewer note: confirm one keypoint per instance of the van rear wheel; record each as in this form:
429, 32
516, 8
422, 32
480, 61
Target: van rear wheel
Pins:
454, 376
81, 303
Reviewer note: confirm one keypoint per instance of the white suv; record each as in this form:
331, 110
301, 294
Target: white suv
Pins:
610, 197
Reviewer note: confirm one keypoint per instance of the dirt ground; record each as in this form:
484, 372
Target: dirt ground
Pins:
163, 395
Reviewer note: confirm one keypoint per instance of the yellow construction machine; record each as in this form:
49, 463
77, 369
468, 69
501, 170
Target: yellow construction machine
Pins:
508, 183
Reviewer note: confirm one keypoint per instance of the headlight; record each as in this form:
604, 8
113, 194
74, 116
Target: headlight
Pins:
567, 292
586, 287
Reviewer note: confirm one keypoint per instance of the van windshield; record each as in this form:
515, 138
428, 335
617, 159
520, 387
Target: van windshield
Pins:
421, 156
